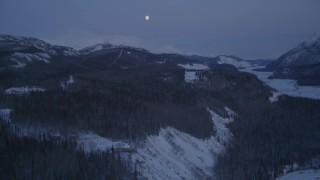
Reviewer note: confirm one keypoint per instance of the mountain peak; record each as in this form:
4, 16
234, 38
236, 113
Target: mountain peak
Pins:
106, 46
314, 40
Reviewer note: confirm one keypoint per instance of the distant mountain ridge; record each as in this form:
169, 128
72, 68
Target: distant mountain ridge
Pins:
20, 51
300, 63
17, 52
306, 53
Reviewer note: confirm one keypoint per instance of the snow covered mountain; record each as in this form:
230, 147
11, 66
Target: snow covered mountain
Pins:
18, 51
306, 53
106, 46
301, 63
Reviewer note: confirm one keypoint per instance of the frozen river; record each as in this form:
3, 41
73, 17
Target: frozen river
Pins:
285, 86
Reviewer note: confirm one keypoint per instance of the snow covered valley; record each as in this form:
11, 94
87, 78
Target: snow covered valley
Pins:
284, 86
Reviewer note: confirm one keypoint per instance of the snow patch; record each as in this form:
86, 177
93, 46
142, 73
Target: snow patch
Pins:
190, 76
301, 175
176, 155
22, 58
23, 90
194, 66
5, 115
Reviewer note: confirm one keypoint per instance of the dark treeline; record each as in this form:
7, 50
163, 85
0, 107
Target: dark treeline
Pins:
133, 108
270, 136
119, 108
29, 158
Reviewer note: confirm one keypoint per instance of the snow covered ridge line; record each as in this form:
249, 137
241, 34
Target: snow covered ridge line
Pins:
23, 90
107, 46
234, 62
177, 155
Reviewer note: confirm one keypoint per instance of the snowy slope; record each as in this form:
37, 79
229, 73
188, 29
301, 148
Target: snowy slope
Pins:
233, 61
308, 52
22, 58
176, 155
302, 175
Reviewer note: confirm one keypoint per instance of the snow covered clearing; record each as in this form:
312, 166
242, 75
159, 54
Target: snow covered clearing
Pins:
5, 114
234, 62
176, 155
23, 90
301, 175
194, 66
190, 76
286, 86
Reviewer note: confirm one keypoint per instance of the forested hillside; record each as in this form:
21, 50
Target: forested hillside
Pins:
30, 158
269, 137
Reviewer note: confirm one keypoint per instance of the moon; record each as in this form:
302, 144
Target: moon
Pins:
147, 18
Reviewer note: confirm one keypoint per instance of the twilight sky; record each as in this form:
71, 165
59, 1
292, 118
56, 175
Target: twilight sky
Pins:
246, 28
